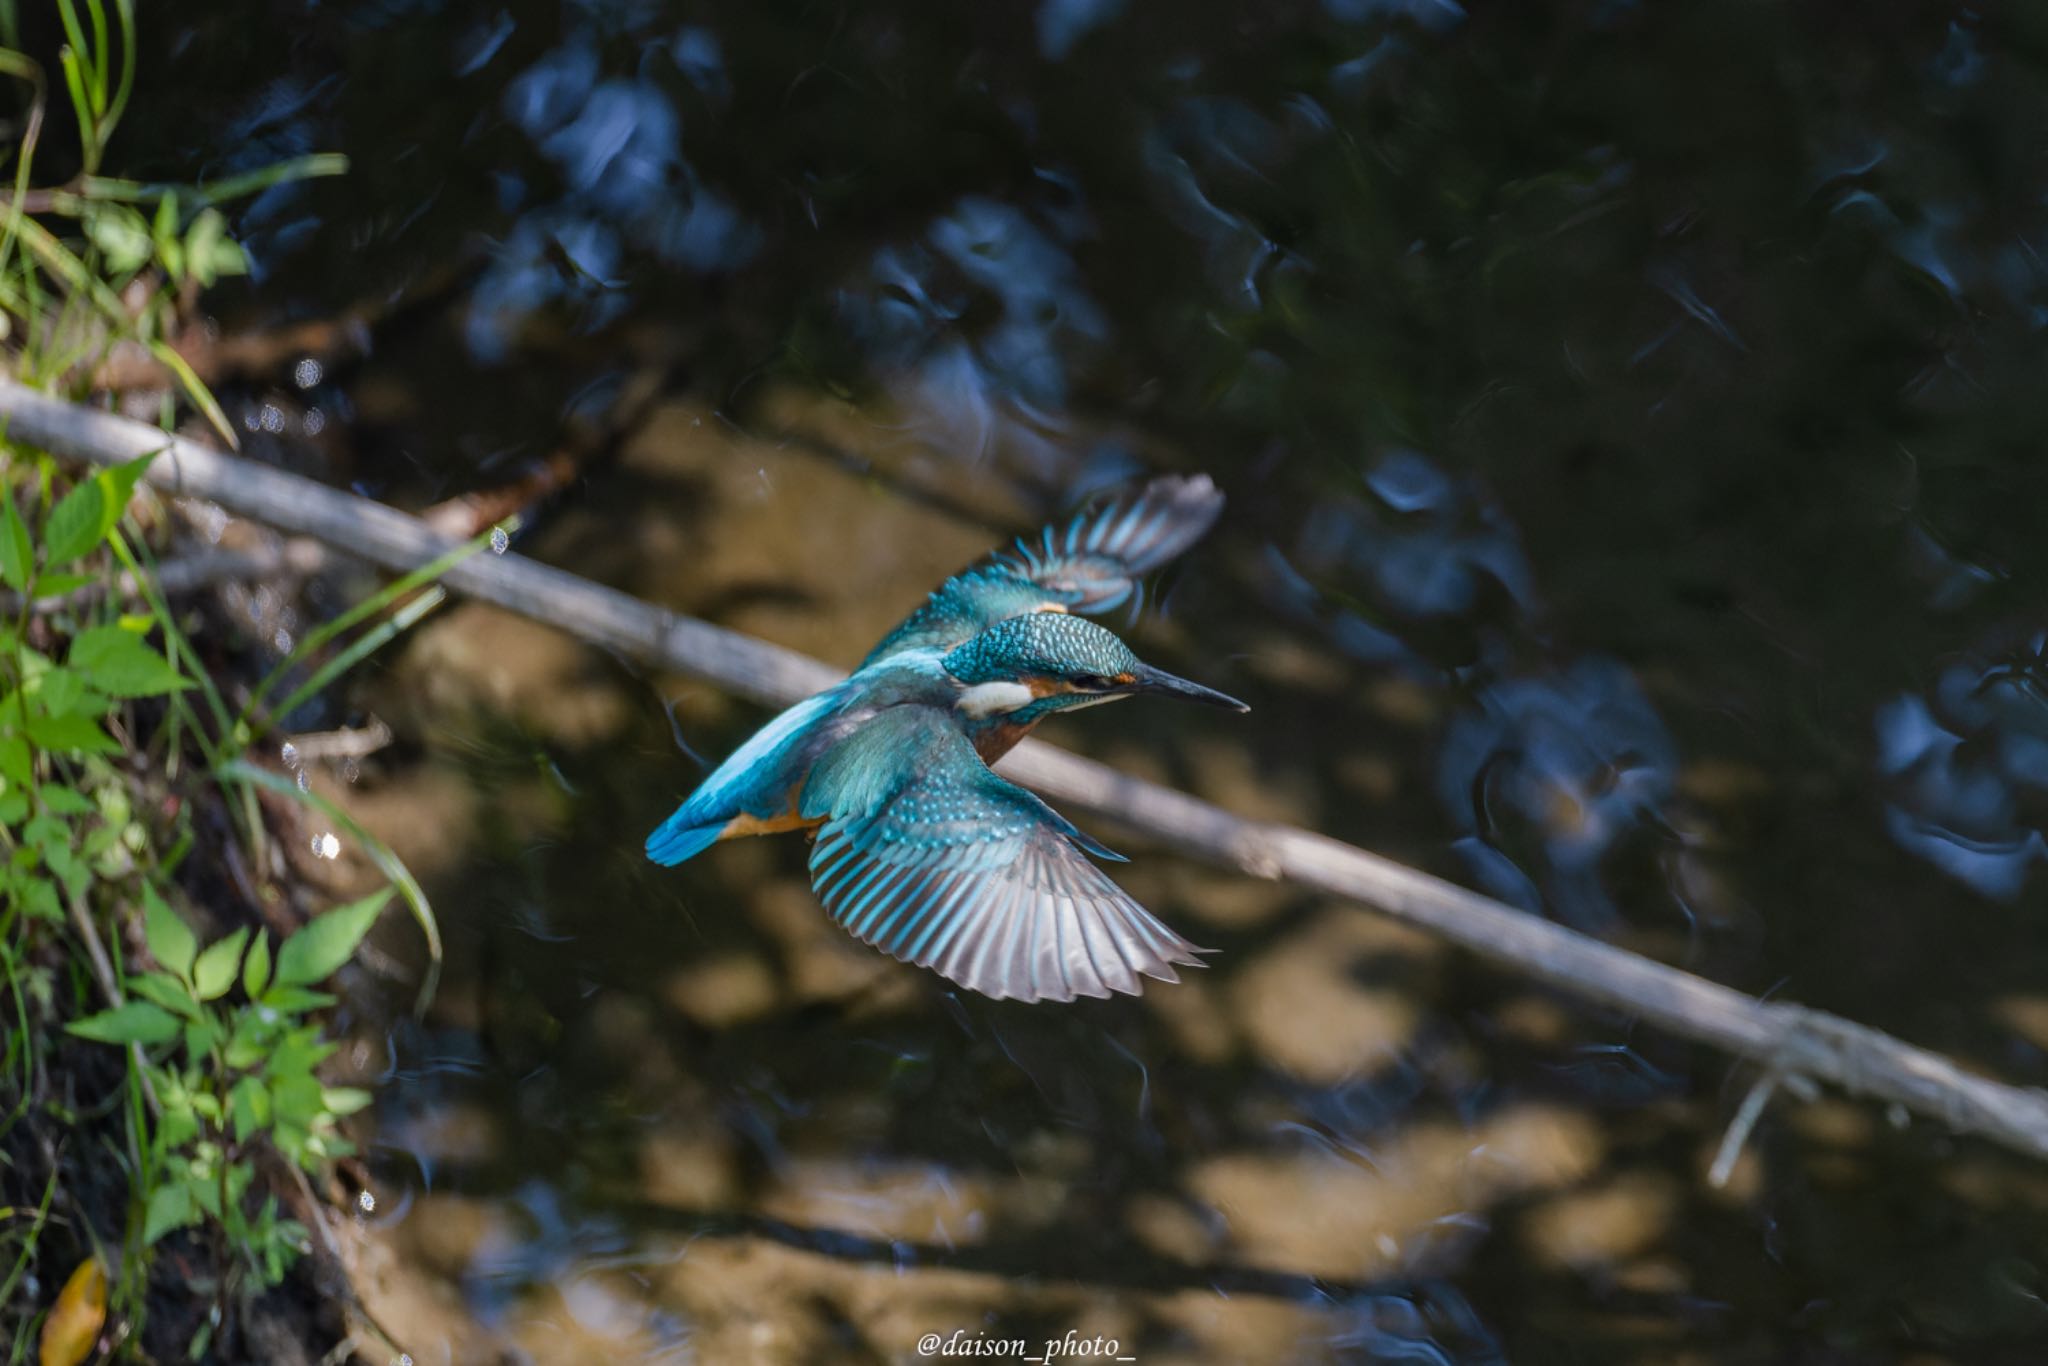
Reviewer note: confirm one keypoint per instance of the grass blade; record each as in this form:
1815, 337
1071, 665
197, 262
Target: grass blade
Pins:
363, 647
369, 606
124, 10
61, 262
196, 390
308, 167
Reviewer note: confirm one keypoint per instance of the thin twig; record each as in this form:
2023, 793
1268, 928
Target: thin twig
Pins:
189, 573
315, 1210
1787, 1040
110, 989
1746, 1116
359, 743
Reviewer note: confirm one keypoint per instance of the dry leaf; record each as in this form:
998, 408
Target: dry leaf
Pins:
74, 1324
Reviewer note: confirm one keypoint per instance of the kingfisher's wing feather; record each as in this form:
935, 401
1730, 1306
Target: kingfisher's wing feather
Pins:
933, 859
1092, 563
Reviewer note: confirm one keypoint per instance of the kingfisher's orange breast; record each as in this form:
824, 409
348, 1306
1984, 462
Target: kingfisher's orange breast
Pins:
997, 740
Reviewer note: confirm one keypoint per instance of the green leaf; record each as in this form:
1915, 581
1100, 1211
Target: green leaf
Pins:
165, 228
69, 868
17, 551
209, 252
298, 1052
14, 759
84, 516
345, 1100
76, 527
256, 969
250, 1043
167, 991
205, 1190
119, 481
119, 664
296, 1000
121, 235
180, 1126
214, 971
249, 1106
64, 801
41, 899
200, 1036
81, 734
136, 1022
170, 1207
290, 1138
60, 692
172, 253
170, 939
297, 1100
328, 941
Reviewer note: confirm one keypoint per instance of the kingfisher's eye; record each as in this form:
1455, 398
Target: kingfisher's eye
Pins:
1091, 683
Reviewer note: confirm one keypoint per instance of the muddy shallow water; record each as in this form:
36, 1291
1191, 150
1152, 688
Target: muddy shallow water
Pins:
1631, 418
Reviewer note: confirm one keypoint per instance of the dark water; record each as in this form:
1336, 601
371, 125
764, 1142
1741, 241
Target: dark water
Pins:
1633, 420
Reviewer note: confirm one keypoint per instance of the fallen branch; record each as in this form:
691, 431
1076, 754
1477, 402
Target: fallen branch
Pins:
1788, 1041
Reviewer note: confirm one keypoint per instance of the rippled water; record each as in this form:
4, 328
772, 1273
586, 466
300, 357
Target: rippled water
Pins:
1632, 419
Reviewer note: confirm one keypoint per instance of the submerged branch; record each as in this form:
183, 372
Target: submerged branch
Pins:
1786, 1040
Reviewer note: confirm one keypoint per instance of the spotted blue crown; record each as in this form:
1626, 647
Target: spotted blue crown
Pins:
1045, 644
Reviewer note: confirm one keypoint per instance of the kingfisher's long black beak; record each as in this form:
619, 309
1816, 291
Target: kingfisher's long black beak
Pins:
1146, 679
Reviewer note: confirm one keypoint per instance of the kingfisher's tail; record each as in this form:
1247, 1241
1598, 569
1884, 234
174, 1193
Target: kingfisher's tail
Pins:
756, 778
675, 839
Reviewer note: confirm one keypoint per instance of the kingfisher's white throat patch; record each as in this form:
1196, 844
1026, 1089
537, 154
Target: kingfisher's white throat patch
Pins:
995, 699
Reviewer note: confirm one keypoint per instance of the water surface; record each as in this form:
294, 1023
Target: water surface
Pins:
1631, 417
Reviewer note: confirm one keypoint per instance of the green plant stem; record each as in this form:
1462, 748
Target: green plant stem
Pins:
182, 652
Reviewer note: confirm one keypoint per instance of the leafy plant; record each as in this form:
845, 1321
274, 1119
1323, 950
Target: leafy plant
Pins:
231, 1069
102, 716
223, 1039
67, 830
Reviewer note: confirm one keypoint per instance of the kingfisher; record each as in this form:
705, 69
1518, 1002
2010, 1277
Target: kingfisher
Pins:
919, 849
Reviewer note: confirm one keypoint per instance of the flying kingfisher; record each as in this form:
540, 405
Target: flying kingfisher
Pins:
921, 850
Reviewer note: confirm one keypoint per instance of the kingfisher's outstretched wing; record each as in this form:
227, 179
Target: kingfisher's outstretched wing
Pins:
933, 859
1091, 564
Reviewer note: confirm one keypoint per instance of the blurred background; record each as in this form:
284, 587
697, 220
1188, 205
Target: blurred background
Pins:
1632, 420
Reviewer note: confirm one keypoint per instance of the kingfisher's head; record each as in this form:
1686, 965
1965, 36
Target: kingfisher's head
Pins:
1027, 667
